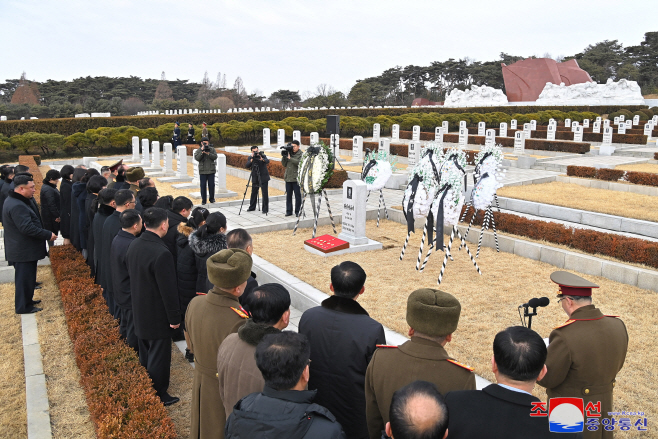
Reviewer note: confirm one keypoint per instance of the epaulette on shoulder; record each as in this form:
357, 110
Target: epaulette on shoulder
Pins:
457, 363
567, 323
384, 346
241, 312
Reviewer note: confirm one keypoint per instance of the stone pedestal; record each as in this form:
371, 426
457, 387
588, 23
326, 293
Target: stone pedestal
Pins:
155, 156
145, 153
354, 217
135, 157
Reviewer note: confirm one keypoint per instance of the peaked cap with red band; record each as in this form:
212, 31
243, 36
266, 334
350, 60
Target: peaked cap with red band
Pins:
572, 285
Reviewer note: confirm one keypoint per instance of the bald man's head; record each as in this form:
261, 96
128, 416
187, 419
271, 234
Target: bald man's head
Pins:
418, 411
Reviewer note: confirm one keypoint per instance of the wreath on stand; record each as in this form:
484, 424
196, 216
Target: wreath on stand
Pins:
377, 168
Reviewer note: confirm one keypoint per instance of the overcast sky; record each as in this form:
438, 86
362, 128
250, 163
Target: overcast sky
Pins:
296, 45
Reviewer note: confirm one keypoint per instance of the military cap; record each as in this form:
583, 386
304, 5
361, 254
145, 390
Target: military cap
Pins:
433, 312
229, 268
135, 174
204, 124
115, 166
572, 285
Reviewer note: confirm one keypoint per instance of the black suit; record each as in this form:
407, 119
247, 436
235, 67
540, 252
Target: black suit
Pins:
121, 285
259, 178
154, 298
111, 227
496, 412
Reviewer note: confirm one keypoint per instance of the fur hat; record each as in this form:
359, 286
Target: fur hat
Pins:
433, 312
229, 268
135, 174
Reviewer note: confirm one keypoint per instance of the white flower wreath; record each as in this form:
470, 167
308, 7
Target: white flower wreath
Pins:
485, 188
452, 175
428, 185
321, 171
379, 174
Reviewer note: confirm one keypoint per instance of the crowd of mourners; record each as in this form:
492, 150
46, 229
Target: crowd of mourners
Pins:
169, 270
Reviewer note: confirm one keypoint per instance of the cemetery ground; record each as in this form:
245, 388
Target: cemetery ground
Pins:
626, 204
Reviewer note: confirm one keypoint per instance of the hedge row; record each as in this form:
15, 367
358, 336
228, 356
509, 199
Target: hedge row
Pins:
643, 178
68, 126
535, 144
589, 241
119, 392
31, 162
276, 169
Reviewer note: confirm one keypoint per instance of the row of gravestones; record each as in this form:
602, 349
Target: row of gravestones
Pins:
150, 161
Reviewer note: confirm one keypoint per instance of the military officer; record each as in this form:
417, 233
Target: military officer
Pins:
432, 316
133, 175
586, 352
176, 139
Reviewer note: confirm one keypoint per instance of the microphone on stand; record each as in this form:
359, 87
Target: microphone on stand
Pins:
533, 303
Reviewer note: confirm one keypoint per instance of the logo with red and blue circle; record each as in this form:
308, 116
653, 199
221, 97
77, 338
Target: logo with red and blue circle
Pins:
566, 415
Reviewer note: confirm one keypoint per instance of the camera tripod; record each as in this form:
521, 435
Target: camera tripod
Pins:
253, 163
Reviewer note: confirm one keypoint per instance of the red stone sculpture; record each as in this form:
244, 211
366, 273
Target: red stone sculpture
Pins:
422, 101
525, 80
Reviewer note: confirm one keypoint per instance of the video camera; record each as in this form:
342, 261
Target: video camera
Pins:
205, 147
287, 149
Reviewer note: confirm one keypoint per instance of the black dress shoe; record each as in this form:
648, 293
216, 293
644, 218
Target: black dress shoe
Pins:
37, 287
36, 302
265, 212
189, 356
38, 284
212, 201
288, 214
31, 310
167, 399
250, 210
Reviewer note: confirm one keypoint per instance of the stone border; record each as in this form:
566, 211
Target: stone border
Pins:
610, 185
591, 265
36, 391
304, 296
583, 217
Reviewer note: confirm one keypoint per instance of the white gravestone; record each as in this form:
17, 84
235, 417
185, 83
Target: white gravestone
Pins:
438, 134
145, 153
502, 131
621, 128
616, 120
629, 125
567, 123
376, 129
519, 142
526, 131
482, 127
550, 132
445, 125
414, 153
314, 139
357, 148
596, 127
622, 118
297, 135
415, 134
463, 137
512, 124
353, 228
168, 158
648, 129
606, 123
395, 131
195, 176
385, 145
462, 124
155, 155
578, 134
266, 137
490, 140
135, 157
280, 137
574, 124
655, 120
220, 173
181, 170
586, 123
533, 125
606, 147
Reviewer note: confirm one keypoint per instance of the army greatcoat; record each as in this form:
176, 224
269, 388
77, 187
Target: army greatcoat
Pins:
209, 320
394, 367
584, 356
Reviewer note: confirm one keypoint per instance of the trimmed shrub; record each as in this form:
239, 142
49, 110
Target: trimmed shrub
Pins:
581, 171
643, 178
119, 392
609, 174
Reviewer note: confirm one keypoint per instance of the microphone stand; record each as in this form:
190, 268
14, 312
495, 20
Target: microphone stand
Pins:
528, 314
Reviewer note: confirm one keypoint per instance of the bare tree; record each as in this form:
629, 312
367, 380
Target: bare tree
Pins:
221, 81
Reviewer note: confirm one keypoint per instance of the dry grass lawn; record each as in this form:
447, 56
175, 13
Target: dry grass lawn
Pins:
13, 415
640, 167
489, 302
180, 385
69, 414
630, 205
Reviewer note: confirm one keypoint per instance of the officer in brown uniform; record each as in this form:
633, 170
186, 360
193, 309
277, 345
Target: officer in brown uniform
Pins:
209, 320
432, 316
133, 175
586, 352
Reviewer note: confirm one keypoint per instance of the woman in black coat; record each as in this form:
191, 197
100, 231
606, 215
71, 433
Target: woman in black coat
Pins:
186, 266
78, 188
205, 242
50, 203
65, 202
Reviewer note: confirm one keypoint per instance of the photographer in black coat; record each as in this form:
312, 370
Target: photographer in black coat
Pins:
257, 162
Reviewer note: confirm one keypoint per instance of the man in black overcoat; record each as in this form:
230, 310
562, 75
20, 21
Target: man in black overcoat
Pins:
131, 227
154, 297
123, 199
343, 338
105, 210
503, 410
25, 241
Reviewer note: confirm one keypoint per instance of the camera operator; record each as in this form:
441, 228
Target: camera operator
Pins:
190, 134
207, 157
291, 156
257, 162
